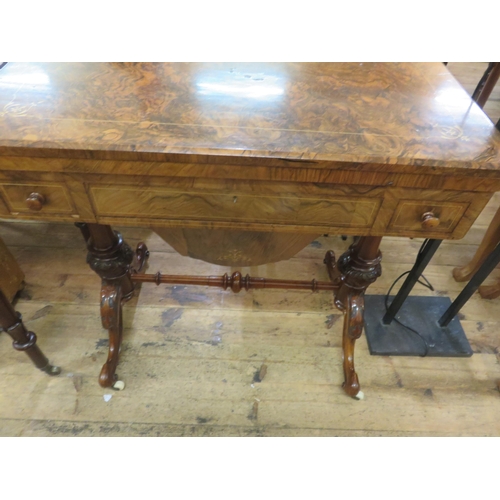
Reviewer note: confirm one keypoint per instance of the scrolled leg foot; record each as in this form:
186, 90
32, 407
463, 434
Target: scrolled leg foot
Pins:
353, 327
111, 317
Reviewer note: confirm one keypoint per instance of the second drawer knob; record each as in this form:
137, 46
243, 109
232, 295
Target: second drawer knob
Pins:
35, 201
429, 220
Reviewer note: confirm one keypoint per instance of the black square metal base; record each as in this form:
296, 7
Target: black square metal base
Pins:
421, 314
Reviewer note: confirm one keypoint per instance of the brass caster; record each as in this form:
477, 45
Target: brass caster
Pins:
119, 385
51, 370
359, 396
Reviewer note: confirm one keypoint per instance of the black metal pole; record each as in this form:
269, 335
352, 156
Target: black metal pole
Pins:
421, 262
483, 272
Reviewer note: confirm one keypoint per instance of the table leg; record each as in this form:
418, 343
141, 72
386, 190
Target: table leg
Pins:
23, 340
490, 241
355, 270
486, 84
114, 261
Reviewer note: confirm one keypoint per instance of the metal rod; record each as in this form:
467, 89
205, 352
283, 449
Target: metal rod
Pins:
483, 272
423, 258
235, 282
486, 84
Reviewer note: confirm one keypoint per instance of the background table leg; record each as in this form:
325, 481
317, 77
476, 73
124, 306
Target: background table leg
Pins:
23, 340
488, 244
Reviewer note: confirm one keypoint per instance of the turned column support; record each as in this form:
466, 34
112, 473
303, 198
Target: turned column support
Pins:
109, 256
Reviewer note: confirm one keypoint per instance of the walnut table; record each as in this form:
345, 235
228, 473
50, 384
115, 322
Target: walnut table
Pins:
243, 164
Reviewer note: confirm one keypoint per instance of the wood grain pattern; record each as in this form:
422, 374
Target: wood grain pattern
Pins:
54, 198
409, 215
271, 206
468, 75
377, 113
234, 248
213, 206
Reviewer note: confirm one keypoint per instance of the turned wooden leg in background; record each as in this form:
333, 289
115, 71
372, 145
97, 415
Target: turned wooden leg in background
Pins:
355, 270
488, 244
23, 340
114, 261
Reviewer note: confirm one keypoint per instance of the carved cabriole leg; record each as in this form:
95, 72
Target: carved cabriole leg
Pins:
23, 340
114, 261
111, 317
355, 270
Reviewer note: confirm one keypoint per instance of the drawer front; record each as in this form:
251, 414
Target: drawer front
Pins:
39, 198
409, 215
237, 207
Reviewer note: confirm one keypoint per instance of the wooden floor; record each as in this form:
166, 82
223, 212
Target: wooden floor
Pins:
469, 74
190, 354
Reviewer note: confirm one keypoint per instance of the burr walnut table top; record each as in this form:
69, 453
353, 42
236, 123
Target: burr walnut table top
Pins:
395, 117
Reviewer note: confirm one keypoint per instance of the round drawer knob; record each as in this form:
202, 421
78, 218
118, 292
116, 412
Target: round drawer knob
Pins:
429, 220
35, 201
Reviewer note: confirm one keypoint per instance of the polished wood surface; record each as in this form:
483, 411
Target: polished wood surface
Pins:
236, 282
345, 204
380, 114
362, 149
468, 75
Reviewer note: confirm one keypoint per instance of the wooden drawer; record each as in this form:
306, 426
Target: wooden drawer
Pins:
409, 213
327, 211
53, 199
